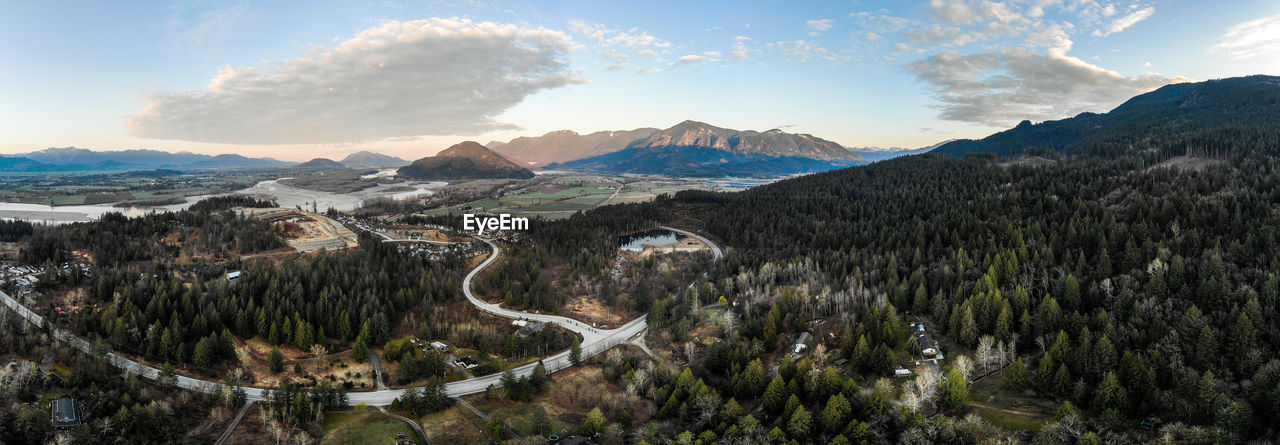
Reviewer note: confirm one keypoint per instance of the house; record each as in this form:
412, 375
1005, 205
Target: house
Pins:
46, 364
466, 363
801, 343
65, 414
233, 276
901, 372
530, 327
440, 347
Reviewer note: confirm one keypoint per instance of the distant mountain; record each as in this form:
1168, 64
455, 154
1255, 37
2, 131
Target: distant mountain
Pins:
24, 165
770, 143
873, 154
466, 160
71, 159
370, 159
238, 161
320, 163
566, 145
697, 149
1240, 114
123, 159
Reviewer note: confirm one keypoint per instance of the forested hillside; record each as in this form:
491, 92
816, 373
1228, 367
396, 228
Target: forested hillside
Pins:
1129, 293
1234, 117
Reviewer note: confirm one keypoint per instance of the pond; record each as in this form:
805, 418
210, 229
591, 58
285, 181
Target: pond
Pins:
637, 242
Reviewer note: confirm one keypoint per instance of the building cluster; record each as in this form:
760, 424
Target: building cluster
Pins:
930, 353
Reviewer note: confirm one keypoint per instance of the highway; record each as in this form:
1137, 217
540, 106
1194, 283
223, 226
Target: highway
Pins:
595, 341
716, 254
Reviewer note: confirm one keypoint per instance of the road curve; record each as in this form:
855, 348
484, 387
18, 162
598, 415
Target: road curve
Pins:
716, 254
595, 341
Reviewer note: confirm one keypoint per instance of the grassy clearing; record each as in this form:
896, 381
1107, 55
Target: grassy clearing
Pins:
520, 418
364, 427
1013, 410
64, 200
453, 425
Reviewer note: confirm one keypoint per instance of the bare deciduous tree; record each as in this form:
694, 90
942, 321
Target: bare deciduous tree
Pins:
986, 351
964, 365
318, 351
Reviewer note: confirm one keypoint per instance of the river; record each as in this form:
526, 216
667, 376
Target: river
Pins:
286, 196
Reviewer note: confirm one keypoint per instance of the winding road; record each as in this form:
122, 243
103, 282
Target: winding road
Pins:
595, 341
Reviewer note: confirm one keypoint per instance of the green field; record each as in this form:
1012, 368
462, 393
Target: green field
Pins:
368, 427
65, 200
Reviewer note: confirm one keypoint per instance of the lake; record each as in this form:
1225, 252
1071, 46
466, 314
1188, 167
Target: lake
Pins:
637, 242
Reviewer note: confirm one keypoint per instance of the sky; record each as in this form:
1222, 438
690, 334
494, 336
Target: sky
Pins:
299, 80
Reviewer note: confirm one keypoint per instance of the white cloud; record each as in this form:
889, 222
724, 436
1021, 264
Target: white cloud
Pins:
1125, 22
815, 27
692, 59
1001, 88
1001, 12
437, 76
648, 53
957, 12
880, 23
800, 50
1250, 39
610, 37
740, 50
1037, 9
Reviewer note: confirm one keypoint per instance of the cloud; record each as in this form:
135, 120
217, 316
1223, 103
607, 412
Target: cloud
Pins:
800, 50
1001, 12
438, 76
816, 27
1004, 87
692, 59
740, 50
1250, 39
648, 53
955, 11
609, 37
880, 23
1125, 22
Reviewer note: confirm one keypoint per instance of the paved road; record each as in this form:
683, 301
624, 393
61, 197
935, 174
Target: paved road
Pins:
716, 254
236, 421
614, 195
595, 341
417, 428
378, 377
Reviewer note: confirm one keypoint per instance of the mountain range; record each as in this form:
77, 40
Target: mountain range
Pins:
465, 160
566, 145
689, 148
371, 159
68, 159
72, 159
693, 148
1222, 117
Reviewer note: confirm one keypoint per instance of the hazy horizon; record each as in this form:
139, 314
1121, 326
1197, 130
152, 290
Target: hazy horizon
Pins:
409, 79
